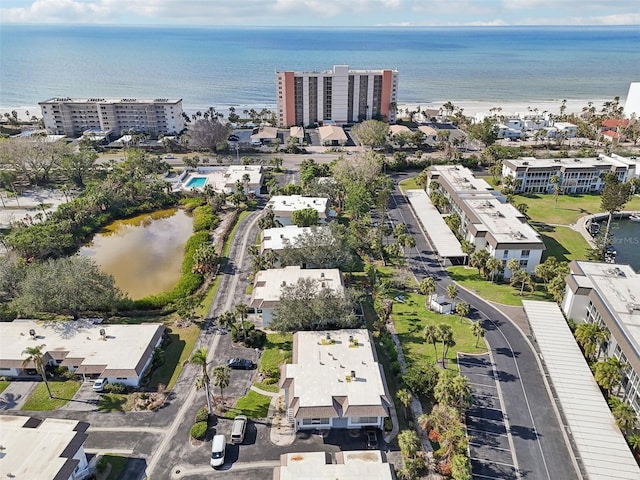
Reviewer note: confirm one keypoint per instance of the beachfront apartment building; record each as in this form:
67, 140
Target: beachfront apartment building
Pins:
50, 448
74, 116
284, 205
609, 295
577, 175
119, 353
486, 220
268, 286
335, 381
338, 96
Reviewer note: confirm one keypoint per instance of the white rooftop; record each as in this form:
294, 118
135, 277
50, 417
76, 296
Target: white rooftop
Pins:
275, 238
396, 129
282, 204
296, 131
332, 133
322, 367
603, 161
350, 465
267, 284
601, 447
79, 340
237, 172
110, 100
440, 235
503, 221
32, 453
223, 179
619, 288
462, 179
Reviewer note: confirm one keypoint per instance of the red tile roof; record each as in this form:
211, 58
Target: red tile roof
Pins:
615, 122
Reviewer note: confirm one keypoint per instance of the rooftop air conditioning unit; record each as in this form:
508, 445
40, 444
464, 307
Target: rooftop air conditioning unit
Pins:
32, 332
353, 374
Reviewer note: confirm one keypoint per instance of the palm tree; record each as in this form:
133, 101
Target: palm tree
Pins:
494, 266
199, 357
467, 248
513, 264
557, 190
462, 309
608, 373
452, 293
404, 397
430, 335
242, 310
428, 288
478, 330
221, 378
226, 320
445, 335
587, 337
623, 414
36, 357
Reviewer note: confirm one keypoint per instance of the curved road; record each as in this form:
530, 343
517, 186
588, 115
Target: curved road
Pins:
540, 447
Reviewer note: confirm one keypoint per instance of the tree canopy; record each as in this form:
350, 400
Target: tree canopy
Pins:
305, 217
371, 133
208, 134
321, 247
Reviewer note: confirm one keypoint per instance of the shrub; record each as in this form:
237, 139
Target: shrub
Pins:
204, 219
102, 464
116, 388
255, 339
202, 415
199, 430
396, 368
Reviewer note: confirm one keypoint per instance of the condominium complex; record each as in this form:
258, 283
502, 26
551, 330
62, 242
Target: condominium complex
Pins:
576, 175
73, 116
485, 220
337, 96
609, 295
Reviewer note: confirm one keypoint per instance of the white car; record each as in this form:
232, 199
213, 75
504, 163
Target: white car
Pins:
99, 384
218, 446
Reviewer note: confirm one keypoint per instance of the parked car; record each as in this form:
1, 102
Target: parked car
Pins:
99, 384
238, 429
372, 439
240, 364
218, 447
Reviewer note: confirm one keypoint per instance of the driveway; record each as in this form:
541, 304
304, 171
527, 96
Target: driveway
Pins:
85, 399
16, 394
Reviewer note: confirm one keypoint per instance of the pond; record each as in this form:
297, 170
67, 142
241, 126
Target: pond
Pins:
143, 253
626, 240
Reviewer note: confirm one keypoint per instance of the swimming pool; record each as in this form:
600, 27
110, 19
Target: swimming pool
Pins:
197, 182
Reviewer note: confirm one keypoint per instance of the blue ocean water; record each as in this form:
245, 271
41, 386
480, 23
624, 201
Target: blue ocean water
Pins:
235, 66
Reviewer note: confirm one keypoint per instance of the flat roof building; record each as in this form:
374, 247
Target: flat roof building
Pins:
346, 465
577, 175
73, 116
284, 205
51, 449
485, 219
120, 353
339, 96
277, 238
609, 295
335, 381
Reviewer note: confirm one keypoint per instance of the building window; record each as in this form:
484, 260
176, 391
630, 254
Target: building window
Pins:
525, 253
505, 254
524, 263
316, 421
364, 420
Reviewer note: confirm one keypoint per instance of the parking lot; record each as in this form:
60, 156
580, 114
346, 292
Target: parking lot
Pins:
489, 447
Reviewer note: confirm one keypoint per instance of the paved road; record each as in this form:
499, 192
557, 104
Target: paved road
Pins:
541, 451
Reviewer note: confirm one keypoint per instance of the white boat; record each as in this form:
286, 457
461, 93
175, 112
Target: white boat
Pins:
634, 218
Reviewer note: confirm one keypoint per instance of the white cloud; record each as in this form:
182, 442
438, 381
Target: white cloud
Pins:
53, 11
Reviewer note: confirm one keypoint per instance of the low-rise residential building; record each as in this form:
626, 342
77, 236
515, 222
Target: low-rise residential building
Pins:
119, 353
485, 219
335, 381
268, 285
576, 175
284, 205
276, 239
397, 129
332, 136
51, 449
221, 179
264, 134
609, 295
346, 465
73, 116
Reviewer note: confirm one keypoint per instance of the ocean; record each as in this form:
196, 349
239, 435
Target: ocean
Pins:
224, 67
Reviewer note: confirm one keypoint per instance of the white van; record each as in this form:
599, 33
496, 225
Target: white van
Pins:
238, 428
218, 447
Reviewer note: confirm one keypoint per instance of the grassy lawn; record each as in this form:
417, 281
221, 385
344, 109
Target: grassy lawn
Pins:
495, 292
412, 316
563, 243
3, 385
569, 208
118, 464
61, 391
177, 352
277, 351
253, 405
409, 184
268, 387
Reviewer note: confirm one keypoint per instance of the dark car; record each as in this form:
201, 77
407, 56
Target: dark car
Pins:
372, 439
233, 138
240, 364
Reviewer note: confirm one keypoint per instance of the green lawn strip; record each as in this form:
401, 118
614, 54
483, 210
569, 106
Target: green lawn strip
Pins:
118, 465
203, 309
495, 292
253, 405
268, 387
113, 402
3, 385
409, 184
62, 392
563, 243
412, 316
277, 351
176, 353
542, 207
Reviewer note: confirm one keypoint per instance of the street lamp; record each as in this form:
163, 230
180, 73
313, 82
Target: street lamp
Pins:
238, 154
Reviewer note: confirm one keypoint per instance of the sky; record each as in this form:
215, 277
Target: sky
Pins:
321, 13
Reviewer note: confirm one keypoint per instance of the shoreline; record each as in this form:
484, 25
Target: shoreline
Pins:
469, 107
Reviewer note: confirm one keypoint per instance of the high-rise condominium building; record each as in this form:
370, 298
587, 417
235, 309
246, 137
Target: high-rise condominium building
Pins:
73, 116
337, 96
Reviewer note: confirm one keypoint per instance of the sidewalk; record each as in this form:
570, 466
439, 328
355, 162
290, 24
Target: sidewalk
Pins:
281, 430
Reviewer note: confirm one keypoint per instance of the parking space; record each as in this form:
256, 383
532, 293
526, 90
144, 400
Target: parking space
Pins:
489, 447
